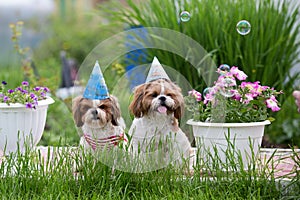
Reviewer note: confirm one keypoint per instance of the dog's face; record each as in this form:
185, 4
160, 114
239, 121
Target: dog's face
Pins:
96, 113
157, 97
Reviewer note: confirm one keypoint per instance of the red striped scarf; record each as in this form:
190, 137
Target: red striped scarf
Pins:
107, 142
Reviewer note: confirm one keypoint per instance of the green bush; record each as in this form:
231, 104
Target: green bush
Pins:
266, 54
77, 35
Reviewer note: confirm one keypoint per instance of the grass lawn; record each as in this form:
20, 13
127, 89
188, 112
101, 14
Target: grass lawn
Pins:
22, 177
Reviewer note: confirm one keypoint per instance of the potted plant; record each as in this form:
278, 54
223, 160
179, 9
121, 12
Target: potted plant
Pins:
23, 112
231, 114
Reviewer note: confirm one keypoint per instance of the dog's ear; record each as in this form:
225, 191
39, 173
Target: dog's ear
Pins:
135, 106
179, 111
77, 115
116, 111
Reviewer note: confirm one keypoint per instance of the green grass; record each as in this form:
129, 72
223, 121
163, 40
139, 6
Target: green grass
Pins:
23, 178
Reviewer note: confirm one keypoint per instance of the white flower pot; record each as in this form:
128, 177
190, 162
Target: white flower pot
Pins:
215, 139
22, 127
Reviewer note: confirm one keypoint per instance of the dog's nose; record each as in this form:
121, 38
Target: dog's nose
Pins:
162, 98
95, 112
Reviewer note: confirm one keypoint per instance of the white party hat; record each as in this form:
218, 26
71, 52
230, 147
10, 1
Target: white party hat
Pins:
156, 71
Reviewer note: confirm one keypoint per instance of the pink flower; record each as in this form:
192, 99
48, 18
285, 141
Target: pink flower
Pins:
231, 90
209, 94
248, 85
260, 89
251, 86
254, 88
263, 88
249, 97
238, 73
272, 104
237, 96
195, 94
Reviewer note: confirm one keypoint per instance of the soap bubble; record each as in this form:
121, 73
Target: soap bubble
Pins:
207, 93
185, 16
243, 27
228, 87
223, 69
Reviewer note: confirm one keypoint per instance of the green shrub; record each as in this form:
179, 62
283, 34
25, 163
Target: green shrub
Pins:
77, 35
266, 54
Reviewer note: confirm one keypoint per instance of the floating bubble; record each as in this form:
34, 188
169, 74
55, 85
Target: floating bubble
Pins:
228, 87
243, 27
227, 92
223, 69
185, 16
207, 93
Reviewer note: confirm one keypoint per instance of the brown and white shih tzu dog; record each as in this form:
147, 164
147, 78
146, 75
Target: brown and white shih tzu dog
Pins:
100, 122
157, 106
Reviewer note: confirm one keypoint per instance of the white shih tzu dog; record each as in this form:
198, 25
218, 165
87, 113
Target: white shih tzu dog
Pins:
100, 121
157, 105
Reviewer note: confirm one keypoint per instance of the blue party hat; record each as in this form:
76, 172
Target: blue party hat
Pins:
156, 71
96, 87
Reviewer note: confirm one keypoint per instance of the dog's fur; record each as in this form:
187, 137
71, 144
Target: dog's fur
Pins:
157, 107
296, 95
97, 119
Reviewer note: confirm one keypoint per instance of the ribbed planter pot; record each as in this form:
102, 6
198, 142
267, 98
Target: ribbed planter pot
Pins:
243, 140
21, 127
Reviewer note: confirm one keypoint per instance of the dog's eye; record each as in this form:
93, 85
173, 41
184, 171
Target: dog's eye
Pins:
169, 94
102, 107
154, 95
84, 108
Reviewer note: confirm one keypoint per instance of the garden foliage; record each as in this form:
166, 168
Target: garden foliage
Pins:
266, 54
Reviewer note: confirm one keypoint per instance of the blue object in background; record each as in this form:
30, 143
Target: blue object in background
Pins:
136, 55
